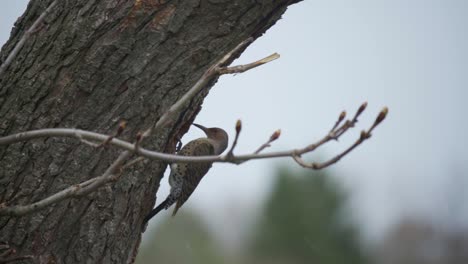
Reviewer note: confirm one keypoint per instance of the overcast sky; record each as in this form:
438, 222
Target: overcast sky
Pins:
408, 55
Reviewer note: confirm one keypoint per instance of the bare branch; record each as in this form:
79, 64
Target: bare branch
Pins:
25, 37
349, 123
318, 166
114, 170
272, 138
87, 142
20, 210
363, 136
246, 67
65, 132
211, 73
132, 162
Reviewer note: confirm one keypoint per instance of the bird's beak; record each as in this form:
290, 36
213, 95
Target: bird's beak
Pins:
201, 127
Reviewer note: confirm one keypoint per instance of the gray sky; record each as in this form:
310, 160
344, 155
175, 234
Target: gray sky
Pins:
408, 55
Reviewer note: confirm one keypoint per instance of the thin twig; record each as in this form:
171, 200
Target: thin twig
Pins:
318, 166
135, 148
236, 138
338, 122
349, 123
132, 162
25, 37
363, 137
87, 142
272, 138
211, 73
246, 67
72, 191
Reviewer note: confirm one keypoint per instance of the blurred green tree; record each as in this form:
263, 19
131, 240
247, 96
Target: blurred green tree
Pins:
182, 239
303, 223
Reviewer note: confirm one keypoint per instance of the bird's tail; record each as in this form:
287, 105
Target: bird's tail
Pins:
176, 208
156, 210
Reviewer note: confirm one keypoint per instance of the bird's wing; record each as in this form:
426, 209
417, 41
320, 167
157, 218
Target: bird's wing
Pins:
194, 171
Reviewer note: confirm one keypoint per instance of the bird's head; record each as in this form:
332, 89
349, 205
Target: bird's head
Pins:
218, 137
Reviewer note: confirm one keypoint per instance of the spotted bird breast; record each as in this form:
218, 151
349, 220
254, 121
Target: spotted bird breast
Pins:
193, 172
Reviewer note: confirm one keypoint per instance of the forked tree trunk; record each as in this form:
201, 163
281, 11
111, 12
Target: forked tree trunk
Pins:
90, 65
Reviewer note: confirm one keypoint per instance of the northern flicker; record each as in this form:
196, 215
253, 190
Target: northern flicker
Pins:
185, 177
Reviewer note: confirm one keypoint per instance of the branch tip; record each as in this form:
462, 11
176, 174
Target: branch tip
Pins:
230, 153
383, 113
238, 126
337, 123
275, 135
272, 57
342, 116
361, 108
246, 67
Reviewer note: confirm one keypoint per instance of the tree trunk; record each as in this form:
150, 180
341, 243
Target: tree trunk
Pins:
90, 65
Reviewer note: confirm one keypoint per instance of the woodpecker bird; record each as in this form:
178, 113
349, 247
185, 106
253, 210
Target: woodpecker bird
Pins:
185, 177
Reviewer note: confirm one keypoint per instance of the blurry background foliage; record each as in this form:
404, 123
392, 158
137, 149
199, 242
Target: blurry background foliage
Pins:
300, 223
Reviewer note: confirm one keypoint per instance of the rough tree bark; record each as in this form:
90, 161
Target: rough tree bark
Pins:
90, 65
